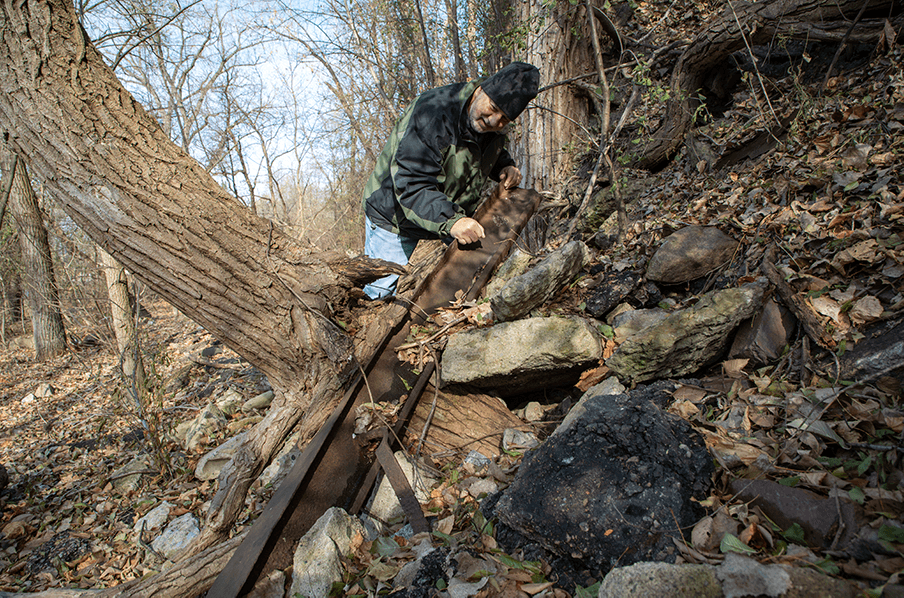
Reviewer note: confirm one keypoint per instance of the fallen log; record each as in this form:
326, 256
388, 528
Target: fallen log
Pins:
749, 23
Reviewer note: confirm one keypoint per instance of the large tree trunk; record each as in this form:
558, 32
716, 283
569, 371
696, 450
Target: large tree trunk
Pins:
37, 265
155, 210
762, 23
552, 134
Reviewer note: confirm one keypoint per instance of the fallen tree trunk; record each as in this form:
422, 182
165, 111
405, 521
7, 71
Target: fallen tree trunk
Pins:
182, 580
749, 23
160, 214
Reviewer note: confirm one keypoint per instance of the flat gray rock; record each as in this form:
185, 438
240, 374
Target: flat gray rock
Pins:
687, 339
533, 354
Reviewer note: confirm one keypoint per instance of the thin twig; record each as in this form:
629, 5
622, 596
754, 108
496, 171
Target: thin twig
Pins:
841, 46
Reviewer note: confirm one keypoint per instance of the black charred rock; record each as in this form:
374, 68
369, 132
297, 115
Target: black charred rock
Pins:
608, 487
611, 290
61, 548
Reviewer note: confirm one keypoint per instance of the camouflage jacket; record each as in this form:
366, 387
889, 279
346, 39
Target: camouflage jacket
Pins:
433, 167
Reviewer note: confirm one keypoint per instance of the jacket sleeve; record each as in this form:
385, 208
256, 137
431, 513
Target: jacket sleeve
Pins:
504, 159
416, 168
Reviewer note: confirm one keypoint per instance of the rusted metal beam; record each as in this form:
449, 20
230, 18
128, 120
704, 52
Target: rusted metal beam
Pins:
331, 470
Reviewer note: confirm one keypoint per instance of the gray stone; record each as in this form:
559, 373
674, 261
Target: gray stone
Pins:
517, 440
515, 265
154, 518
742, 576
281, 464
539, 284
612, 486
272, 586
210, 465
690, 253
736, 577
762, 339
177, 535
208, 422
629, 323
128, 483
230, 402
477, 460
44, 390
482, 487
261, 401
386, 505
530, 354
533, 412
687, 339
317, 562
661, 580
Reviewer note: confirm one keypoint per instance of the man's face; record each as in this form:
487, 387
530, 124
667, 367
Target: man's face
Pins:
484, 115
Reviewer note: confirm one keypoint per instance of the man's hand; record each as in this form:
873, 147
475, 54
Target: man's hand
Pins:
510, 177
467, 231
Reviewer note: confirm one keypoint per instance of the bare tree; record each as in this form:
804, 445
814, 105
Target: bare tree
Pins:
40, 283
161, 214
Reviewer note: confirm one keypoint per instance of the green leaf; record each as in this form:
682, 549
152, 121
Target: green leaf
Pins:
864, 465
828, 567
857, 495
851, 186
731, 543
384, 546
588, 592
606, 330
791, 482
893, 534
440, 584
508, 561
795, 534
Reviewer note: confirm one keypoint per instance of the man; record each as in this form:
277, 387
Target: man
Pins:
428, 178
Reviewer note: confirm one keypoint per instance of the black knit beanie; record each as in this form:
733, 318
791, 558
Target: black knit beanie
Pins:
512, 87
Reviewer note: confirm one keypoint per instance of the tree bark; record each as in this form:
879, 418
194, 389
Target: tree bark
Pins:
122, 314
192, 579
37, 265
161, 215
762, 22
552, 136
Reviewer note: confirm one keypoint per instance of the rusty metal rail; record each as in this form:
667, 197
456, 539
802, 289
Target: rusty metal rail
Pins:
333, 470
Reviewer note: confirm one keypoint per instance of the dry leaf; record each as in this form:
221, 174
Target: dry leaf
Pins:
535, 588
734, 368
694, 394
864, 310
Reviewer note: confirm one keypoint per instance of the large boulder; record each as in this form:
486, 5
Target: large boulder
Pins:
688, 339
524, 355
609, 486
690, 253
